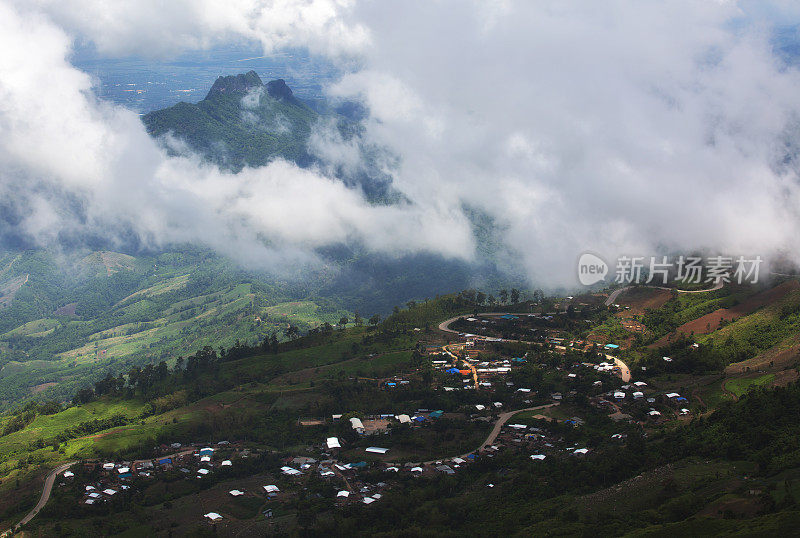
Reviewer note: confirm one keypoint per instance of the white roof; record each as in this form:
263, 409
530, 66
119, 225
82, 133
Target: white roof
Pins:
356, 423
654, 413
581, 451
343, 494
480, 407
673, 395
94, 495
89, 488
272, 488
517, 426
333, 442
89, 501
68, 474
523, 390
109, 491
202, 471
123, 470
289, 470
205, 458
377, 450
638, 394
236, 492
416, 469
459, 460
404, 419
640, 383
368, 500
108, 466
393, 469
618, 394
538, 456
213, 516
226, 463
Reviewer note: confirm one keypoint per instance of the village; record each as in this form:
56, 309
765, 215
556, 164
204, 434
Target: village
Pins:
541, 424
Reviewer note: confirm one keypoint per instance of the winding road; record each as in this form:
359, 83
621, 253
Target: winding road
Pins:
498, 425
48, 488
616, 293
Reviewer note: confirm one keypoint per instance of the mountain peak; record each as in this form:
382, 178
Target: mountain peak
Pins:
235, 84
278, 89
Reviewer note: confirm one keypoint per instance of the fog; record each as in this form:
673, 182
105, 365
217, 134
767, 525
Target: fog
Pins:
620, 127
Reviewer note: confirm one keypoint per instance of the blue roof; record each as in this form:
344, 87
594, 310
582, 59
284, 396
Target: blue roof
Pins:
392, 384
452, 370
165, 461
359, 464
509, 316
125, 475
436, 414
612, 346
419, 419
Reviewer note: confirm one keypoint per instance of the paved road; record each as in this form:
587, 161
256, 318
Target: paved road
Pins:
501, 420
48, 488
614, 294
624, 371
445, 325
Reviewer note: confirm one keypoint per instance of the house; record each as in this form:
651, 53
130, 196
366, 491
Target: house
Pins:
69, 474
333, 442
404, 419
581, 451
376, 450
344, 494
357, 425
446, 469
290, 471
110, 491
368, 500
206, 451
638, 395
213, 516
272, 489
226, 463
538, 457
165, 461
236, 493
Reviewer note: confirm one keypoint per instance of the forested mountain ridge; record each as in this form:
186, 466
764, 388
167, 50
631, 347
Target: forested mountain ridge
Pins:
241, 122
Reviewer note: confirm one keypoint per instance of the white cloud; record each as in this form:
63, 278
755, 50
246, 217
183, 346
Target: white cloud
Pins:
617, 127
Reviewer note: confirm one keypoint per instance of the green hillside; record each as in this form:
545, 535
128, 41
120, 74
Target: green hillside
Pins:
728, 468
241, 122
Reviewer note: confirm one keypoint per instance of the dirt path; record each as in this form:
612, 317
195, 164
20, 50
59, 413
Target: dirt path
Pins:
48, 488
501, 420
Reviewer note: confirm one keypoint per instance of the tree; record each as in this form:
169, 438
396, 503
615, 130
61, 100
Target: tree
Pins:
343, 321
358, 320
480, 298
514, 295
291, 332
374, 320
503, 296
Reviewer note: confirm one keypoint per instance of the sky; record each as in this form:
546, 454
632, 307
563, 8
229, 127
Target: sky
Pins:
619, 127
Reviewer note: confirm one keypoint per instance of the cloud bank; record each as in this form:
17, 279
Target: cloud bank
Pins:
621, 127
